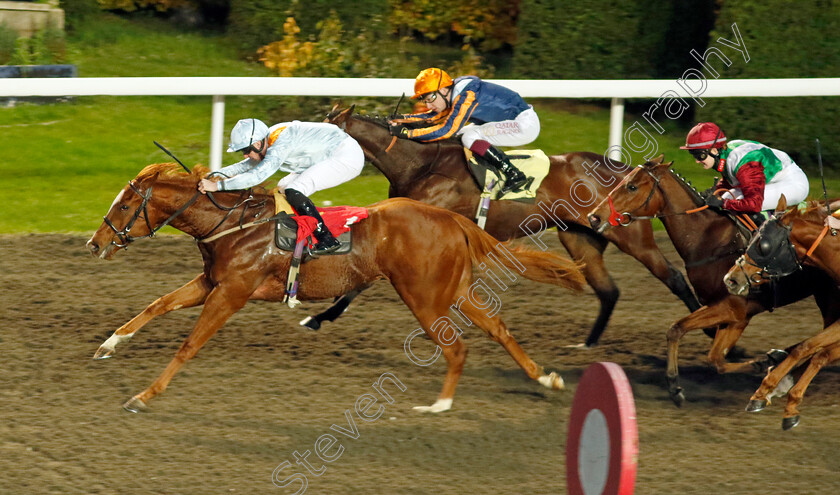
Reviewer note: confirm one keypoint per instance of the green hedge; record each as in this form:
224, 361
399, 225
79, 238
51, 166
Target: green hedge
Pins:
805, 44
609, 39
254, 23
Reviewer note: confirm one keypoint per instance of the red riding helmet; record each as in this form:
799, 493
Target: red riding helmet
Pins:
704, 136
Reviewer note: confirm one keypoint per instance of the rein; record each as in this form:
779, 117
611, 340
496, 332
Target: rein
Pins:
617, 218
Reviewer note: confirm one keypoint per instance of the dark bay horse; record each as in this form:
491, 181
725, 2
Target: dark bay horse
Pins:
709, 243
426, 253
804, 230
437, 173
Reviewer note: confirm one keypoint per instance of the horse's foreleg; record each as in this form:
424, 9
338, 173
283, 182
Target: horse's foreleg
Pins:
796, 394
191, 294
801, 352
589, 249
726, 311
724, 342
637, 241
330, 314
220, 304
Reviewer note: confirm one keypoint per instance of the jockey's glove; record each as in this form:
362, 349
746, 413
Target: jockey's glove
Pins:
714, 202
398, 130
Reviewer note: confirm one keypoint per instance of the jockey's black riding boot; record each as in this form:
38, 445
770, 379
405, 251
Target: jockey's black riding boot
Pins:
514, 178
303, 206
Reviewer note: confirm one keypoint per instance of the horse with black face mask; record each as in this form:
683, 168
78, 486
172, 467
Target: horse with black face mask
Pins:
783, 246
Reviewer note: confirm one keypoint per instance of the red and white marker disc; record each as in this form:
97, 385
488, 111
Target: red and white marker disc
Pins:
603, 443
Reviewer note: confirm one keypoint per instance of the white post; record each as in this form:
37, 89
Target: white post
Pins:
217, 130
616, 126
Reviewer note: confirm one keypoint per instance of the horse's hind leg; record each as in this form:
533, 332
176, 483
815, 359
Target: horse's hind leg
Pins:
338, 308
498, 331
822, 358
191, 294
589, 249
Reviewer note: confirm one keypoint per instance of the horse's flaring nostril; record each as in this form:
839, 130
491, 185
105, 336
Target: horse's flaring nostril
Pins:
594, 221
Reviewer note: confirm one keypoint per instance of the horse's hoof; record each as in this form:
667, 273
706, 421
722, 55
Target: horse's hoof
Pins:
756, 405
439, 406
135, 405
552, 381
578, 346
791, 422
677, 396
103, 353
311, 323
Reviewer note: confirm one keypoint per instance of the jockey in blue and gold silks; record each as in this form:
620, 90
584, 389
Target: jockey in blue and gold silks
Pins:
484, 115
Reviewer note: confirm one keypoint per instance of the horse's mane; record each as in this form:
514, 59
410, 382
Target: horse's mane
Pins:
813, 210
379, 120
171, 170
692, 191
382, 121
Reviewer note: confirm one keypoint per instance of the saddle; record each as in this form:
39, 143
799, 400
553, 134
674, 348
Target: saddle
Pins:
533, 163
289, 228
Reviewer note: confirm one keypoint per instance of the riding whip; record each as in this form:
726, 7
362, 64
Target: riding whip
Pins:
177, 160
397, 109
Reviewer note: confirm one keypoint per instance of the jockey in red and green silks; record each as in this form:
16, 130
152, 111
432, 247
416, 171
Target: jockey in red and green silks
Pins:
754, 175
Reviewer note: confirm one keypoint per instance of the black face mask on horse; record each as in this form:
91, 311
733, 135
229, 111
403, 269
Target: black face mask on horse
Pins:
772, 251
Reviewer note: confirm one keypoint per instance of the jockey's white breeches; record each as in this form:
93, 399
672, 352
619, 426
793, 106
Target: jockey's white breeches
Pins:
790, 181
517, 132
343, 164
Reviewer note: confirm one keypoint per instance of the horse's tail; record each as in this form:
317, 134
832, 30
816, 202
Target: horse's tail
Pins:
539, 266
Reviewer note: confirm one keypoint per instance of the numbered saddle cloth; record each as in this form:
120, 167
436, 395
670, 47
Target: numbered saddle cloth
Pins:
533, 163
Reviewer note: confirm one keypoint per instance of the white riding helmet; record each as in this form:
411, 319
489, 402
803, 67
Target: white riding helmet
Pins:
245, 133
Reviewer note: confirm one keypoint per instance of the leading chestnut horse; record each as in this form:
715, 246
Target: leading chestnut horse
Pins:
709, 243
786, 242
427, 254
437, 173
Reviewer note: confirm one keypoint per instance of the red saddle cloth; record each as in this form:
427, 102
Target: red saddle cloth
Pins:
337, 218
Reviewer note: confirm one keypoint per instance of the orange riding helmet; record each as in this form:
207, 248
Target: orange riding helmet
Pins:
430, 80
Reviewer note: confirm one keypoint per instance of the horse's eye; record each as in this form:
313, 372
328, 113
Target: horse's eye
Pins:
632, 187
124, 207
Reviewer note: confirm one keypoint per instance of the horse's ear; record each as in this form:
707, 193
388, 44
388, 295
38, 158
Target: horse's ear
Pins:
336, 106
658, 160
782, 206
350, 110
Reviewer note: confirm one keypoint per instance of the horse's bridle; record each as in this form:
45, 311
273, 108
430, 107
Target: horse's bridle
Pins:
780, 262
617, 218
123, 235
125, 238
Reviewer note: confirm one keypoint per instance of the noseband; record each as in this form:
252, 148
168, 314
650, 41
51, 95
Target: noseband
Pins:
624, 219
